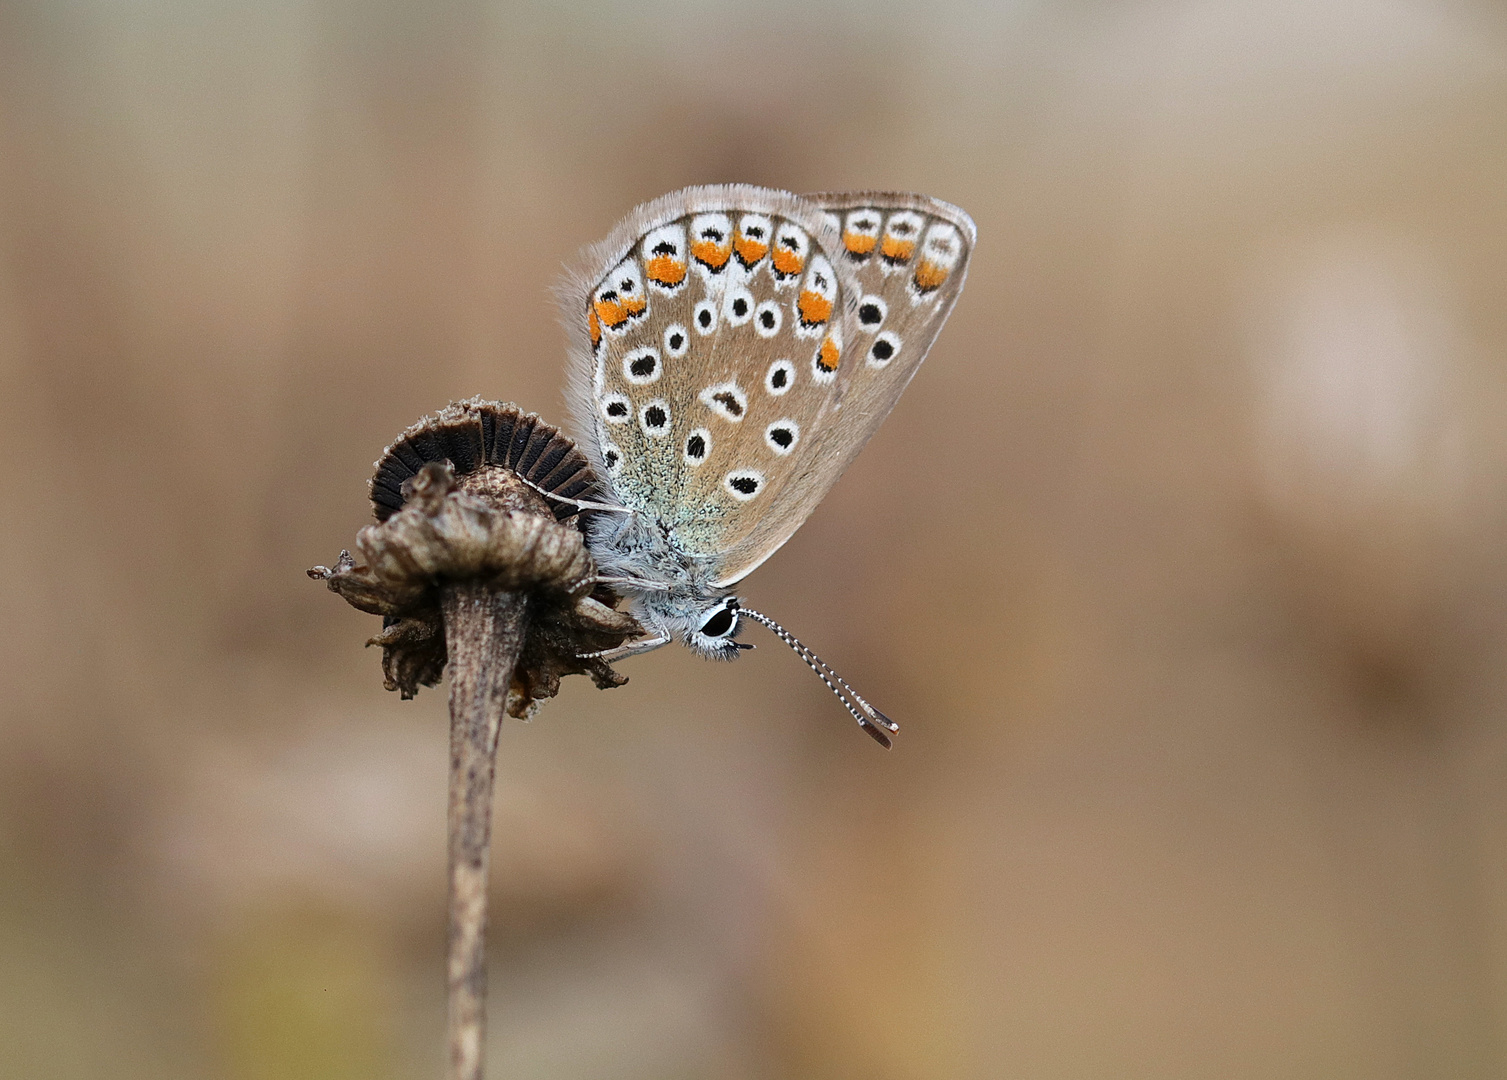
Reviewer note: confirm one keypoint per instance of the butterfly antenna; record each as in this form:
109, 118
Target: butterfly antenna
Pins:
868, 717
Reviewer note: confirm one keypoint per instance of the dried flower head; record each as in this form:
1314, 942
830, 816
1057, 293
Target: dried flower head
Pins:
460, 496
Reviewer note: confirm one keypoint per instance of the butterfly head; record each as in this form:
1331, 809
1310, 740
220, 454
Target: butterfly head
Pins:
711, 630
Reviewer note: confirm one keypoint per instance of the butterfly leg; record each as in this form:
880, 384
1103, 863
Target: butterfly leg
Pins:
633, 583
633, 648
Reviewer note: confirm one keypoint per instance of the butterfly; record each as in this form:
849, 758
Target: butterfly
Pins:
732, 349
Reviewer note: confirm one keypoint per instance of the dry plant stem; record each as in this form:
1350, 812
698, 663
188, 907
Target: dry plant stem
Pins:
475, 576
484, 632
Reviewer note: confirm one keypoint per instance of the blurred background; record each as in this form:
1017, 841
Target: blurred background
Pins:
1181, 562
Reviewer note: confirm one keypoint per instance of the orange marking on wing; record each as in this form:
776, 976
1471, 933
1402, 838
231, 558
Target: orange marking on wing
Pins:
788, 261
750, 251
712, 254
858, 244
827, 358
634, 306
929, 275
611, 313
594, 326
815, 308
896, 250
665, 270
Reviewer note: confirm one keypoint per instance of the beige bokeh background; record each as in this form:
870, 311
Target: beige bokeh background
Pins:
1181, 562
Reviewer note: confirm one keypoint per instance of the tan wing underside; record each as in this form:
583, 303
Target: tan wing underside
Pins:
867, 392
829, 416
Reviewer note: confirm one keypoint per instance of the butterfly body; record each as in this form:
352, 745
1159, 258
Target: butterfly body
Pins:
732, 349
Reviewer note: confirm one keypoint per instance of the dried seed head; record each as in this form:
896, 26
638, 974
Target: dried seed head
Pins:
483, 525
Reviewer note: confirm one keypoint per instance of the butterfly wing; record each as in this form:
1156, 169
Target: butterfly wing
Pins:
723, 371
908, 257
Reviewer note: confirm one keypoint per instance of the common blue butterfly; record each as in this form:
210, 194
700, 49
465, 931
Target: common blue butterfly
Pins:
732, 350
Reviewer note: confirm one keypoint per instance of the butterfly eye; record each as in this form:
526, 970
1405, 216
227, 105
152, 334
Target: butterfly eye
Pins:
720, 624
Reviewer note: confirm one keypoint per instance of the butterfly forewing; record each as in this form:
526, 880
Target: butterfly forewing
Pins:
909, 256
729, 362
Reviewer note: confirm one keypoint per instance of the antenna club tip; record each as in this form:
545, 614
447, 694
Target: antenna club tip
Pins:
878, 736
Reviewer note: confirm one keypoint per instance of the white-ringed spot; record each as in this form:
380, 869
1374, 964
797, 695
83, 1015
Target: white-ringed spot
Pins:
781, 377
743, 484
698, 444
727, 400
884, 349
872, 311
616, 408
612, 457
654, 418
767, 318
782, 435
737, 306
641, 366
677, 342
705, 317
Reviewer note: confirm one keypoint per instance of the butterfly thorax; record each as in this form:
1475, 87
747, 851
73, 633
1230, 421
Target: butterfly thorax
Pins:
677, 593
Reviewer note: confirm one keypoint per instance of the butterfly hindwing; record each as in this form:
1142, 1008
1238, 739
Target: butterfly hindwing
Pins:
725, 367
